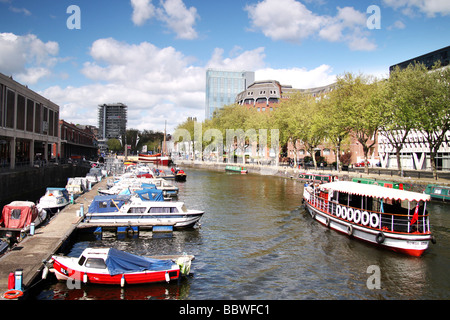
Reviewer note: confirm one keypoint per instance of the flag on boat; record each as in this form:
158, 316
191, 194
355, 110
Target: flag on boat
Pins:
416, 214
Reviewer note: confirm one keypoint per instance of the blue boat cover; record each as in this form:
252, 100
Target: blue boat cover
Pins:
150, 194
107, 203
120, 262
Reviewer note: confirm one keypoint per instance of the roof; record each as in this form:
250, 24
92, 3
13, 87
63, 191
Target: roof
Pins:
374, 191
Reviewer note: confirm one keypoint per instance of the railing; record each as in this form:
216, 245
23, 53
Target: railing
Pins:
390, 222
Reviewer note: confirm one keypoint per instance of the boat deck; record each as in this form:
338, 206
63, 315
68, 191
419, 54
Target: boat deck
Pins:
30, 253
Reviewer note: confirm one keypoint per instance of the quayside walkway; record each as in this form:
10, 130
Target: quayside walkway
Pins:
30, 253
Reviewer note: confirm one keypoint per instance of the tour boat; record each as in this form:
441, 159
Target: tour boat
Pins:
391, 218
156, 159
54, 200
116, 267
238, 169
316, 177
145, 208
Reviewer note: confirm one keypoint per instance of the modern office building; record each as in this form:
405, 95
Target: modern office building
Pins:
112, 120
28, 125
222, 87
428, 59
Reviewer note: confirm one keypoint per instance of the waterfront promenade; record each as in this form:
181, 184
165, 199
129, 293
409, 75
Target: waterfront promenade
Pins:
30, 253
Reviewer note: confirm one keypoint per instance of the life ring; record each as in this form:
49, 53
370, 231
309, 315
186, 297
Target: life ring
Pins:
380, 238
344, 213
350, 230
374, 223
12, 294
338, 211
357, 216
350, 214
365, 218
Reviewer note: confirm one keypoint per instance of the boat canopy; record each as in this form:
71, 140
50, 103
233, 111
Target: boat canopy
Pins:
374, 191
18, 214
107, 203
120, 262
150, 194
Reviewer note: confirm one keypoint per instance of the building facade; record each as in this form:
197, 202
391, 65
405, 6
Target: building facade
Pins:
77, 141
28, 125
222, 86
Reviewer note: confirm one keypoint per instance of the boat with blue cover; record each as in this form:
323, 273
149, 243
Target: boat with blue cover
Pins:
116, 267
145, 208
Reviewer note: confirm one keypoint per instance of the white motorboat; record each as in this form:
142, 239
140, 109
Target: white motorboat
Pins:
54, 200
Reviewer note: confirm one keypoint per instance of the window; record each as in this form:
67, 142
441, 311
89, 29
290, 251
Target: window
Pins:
163, 210
20, 125
137, 210
10, 108
30, 112
96, 263
82, 260
15, 214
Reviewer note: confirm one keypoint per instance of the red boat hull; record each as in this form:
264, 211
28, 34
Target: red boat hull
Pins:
62, 272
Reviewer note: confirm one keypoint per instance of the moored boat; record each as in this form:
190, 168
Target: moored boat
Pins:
54, 200
438, 192
156, 159
313, 177
238, 169
146, 208
386, 184
115, 267
391, 218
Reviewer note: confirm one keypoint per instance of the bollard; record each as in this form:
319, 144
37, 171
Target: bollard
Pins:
71, 198
11, 282
32, 229
81, 210
18, 279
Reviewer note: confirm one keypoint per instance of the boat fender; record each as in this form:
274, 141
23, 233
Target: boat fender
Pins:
350, 230
122, 281
45, 272
327, 222
12, 294
85, 278
433, 239
357, 216
167, 277
380, 238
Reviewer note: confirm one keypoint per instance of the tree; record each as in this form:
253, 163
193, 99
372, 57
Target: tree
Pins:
114, 145
433, 101
361, 106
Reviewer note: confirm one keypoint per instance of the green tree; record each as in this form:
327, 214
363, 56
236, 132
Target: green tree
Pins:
114, 145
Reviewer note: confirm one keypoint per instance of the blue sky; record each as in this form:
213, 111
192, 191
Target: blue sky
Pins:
153, 54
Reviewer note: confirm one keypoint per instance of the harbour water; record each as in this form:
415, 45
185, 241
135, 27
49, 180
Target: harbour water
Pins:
256, 241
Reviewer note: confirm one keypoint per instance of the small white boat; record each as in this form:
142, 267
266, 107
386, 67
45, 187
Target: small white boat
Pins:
146, 208
76, 186
115, 267
54, 200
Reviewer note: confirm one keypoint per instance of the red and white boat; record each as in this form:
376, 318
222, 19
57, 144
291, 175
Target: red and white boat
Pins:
112, 266
156, 159
391, 218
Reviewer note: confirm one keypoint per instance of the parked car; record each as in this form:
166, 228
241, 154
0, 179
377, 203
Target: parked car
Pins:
359, 164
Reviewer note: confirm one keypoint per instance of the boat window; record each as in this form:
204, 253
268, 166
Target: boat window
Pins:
81, 260
163, 210
103, 204
15, 213
97, 263
183, 208
137, 210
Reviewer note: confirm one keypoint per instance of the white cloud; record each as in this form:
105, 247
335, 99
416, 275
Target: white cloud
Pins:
142, 11
290, 20
299, 78
429, 7
248, 60
174, 13
178, 18
27, 57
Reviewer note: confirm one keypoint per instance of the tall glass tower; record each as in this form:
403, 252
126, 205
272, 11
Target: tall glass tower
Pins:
222, 87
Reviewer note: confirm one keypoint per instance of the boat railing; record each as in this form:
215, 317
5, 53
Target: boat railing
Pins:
383, 221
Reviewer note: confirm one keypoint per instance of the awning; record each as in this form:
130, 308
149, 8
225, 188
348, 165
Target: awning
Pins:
374, 191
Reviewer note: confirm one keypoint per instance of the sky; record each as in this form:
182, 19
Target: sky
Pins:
152, 55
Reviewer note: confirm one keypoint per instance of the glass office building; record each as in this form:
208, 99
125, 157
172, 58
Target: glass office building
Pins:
222, 87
